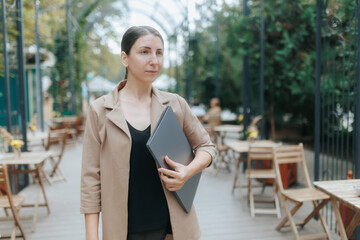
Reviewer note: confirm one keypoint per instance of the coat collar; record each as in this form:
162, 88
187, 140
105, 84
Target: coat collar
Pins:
158, 103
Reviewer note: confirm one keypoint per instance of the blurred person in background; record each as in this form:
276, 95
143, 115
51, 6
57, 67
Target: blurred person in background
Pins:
119, 176
214, 112
213, 116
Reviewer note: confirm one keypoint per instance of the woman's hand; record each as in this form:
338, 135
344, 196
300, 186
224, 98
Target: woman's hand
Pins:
174, 179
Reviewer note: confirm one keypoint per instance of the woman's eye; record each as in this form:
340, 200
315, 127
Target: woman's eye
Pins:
160, 53
144, 51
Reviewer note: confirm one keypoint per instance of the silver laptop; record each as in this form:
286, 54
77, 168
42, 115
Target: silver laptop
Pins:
168, 139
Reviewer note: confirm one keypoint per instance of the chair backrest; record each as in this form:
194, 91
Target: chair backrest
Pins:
58, 136
290, 154
14, 202
259, 152
255, 121
4, 181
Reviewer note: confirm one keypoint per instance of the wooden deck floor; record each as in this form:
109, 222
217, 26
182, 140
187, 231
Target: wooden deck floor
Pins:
221, 214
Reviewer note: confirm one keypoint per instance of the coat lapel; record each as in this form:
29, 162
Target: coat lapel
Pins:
116, 114
117, 117
158, 105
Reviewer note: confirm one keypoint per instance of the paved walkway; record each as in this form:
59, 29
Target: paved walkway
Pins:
221, 215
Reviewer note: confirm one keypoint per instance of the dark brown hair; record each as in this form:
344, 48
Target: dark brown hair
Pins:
133, 34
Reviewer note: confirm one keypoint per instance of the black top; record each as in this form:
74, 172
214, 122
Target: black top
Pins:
147, 206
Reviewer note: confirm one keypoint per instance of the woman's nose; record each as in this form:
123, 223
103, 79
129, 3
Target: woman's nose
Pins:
154, 59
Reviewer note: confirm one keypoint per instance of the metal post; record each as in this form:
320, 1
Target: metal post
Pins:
245, 77
217, 54
187, 56
357, 120
177, 69
187, 71
69, 38
317, 90
262, 40
6, 67
39, 95
22, 79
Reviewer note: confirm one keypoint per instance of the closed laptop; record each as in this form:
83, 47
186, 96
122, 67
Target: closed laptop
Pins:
168, 139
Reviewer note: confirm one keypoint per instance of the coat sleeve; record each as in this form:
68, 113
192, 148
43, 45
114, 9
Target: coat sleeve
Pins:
90, 196
195, 132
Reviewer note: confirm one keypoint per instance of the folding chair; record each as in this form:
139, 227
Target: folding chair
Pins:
223, 152
254, 122
238, 157
256, 154
56, 136
12, 202
295, 154
241, 148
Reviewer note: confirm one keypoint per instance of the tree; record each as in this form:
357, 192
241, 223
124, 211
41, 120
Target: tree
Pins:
89, 14
289, 58
86, 17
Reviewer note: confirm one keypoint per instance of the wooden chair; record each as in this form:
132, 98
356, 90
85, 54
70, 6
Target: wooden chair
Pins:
12, 202
223, 150
58, 136
221, 161
238, 158
295, 154
256, 154
238, 149
255, 121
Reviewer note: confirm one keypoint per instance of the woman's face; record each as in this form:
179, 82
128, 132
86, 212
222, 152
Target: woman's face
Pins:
145, 59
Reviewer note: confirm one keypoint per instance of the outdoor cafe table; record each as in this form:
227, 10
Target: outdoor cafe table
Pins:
222, 130
34, 161
66, 120
344, 192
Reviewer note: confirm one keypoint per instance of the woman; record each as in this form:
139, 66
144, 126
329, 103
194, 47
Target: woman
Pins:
119, 176
214, 112
213, 116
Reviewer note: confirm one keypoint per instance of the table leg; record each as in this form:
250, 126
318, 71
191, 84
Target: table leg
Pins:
338, 219
36, 206
42, 188
223, 138
354, 222
236, 182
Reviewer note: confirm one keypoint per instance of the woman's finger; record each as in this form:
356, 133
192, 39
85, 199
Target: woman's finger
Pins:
168, 172
172, 163
169, 180
173, 188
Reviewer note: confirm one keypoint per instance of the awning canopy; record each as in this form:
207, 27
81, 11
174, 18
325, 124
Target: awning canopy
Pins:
101, 84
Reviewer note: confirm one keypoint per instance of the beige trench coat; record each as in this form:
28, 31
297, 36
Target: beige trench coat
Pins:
106, 156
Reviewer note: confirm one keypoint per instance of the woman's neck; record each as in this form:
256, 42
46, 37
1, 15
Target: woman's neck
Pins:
136, 91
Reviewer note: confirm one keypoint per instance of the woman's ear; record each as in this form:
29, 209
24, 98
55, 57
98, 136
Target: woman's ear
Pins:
124, 59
